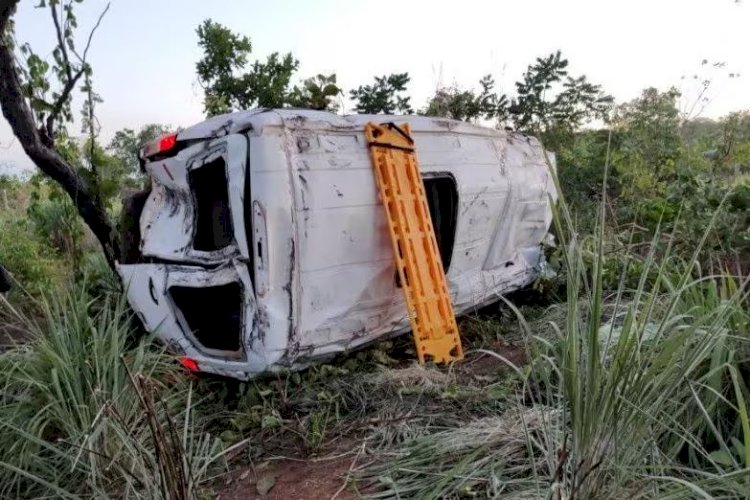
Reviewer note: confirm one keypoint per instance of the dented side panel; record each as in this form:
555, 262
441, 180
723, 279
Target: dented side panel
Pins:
316, 266
273, 200
168, 222
349, 292
147, 287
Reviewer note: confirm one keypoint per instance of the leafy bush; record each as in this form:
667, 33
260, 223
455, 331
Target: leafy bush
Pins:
30, 260
54, 218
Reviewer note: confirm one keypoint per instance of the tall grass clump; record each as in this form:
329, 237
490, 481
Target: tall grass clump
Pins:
640, 392
85, 413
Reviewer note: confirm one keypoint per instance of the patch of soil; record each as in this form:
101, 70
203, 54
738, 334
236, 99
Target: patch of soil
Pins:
330, 476
486, 364
293, 479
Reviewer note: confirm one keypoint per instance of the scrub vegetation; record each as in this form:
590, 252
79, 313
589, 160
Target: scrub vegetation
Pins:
623, 374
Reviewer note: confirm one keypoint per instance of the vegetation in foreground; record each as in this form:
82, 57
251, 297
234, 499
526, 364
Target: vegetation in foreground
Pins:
631, 391
625, 376
85, 411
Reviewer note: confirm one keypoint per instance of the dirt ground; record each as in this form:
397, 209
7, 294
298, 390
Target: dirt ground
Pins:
323, 478
330, 476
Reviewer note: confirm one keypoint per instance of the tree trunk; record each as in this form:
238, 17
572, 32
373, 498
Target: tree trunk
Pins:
40, 147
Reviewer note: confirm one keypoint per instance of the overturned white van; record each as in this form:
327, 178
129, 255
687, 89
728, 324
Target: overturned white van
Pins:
262, 244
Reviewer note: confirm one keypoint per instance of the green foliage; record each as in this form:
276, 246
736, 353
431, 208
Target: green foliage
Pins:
36, 85
105, 172
220, 72
549, 103
31, 261
466, 105
96, 277
48, 86
125, 147
89, 123
318, 92
267, 84
650, 142
54, 218
552, 104
732, 153
636, 396
224, 54
385, 95
84, 415
580, 166
666, 173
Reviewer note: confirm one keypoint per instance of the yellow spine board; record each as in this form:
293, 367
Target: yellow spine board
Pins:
415, 249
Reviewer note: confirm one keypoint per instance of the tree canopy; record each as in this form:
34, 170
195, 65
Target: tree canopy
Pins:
319, 92
551, 103
467, 105
548, 102
386, 95
127, 143
229, 84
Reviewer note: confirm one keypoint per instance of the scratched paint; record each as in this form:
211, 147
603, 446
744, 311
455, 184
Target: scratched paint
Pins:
316, 267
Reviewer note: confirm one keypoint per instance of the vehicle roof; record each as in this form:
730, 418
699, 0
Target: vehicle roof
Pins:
257, 119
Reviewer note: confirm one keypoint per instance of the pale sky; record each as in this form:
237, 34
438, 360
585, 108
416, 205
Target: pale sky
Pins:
145, 51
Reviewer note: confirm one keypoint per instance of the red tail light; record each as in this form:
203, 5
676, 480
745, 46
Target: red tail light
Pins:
160, 146
167, 142
190, 364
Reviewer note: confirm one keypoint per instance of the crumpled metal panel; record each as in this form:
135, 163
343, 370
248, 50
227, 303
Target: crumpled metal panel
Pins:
349, 294
147, 287
322, 278
168, 219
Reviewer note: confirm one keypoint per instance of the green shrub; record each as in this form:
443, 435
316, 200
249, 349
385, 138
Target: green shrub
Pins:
55, 219
32, 262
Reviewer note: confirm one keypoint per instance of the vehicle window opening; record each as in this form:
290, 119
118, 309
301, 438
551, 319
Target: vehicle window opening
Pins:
213, 314
442, 201
213, 221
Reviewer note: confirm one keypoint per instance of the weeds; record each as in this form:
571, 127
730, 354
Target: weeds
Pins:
619, 403
83, 415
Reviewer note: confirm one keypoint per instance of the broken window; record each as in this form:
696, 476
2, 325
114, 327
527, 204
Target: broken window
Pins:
442, 202
442, 199
213, 218
213, 314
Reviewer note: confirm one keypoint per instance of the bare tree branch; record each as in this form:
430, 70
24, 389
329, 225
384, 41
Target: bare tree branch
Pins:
91, 35
58, 105
72, 79
61, 41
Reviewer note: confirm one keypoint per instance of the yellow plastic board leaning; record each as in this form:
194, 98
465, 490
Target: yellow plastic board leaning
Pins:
415, 249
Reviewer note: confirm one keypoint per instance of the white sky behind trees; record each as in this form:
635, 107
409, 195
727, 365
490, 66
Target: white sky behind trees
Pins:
144, 53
